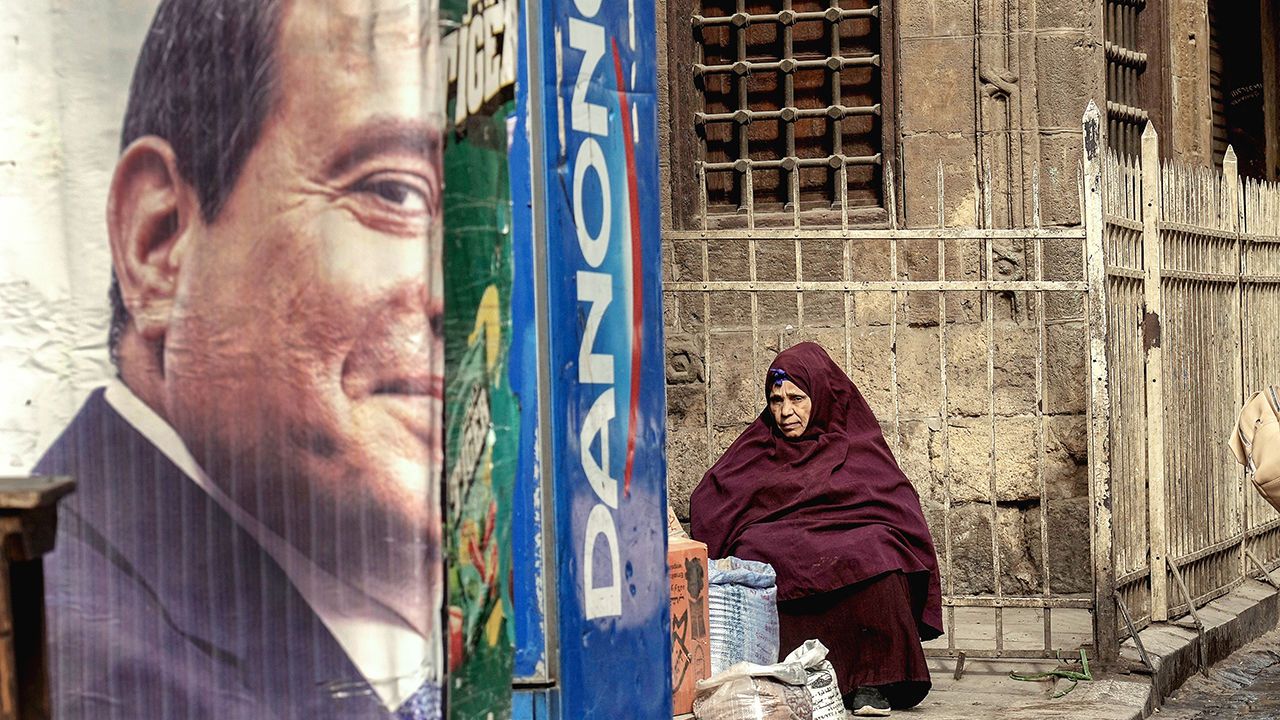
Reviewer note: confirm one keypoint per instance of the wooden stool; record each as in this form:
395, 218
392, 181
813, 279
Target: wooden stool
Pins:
28, 525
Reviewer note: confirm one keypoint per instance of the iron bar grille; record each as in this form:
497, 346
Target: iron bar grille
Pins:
947, 332
790, 112
1125, 65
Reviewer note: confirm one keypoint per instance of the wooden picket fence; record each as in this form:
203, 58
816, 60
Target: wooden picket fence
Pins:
1192, 300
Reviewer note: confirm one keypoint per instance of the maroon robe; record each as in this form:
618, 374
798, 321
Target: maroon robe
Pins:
828, 509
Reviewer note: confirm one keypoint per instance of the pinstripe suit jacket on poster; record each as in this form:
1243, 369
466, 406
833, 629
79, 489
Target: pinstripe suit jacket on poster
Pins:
160, 606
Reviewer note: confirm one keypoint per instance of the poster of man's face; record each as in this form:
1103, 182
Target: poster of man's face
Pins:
292, 340
256, 531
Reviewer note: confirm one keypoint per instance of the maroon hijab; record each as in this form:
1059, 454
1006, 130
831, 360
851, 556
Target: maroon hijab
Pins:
828, 509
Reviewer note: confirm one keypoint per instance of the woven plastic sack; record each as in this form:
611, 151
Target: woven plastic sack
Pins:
742, 602
748, 691
820, 680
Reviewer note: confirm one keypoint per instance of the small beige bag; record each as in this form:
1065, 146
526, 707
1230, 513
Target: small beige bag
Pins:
1256, 442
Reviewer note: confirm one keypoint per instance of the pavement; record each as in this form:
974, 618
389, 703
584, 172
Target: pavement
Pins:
986, 692
1244, 685
1239, 634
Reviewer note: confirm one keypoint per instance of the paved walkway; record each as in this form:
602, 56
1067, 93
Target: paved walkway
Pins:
1245, 684
985, 691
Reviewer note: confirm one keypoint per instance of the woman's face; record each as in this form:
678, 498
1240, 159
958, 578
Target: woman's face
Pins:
790, 407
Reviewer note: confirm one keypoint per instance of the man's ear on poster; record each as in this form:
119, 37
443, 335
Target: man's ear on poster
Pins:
151, 214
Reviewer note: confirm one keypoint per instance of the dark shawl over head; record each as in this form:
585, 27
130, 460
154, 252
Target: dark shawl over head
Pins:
828, 509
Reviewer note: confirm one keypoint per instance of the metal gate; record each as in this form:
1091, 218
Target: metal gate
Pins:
946, 331
1193, 285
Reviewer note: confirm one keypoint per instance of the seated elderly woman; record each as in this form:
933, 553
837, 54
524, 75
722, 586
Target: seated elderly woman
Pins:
812, 488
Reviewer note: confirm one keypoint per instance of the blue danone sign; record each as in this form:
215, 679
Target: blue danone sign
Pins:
598, 76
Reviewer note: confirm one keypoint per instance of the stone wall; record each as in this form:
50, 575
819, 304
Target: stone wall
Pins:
995, 92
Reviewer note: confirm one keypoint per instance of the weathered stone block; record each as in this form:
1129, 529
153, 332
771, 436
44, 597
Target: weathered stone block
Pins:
1070, 561
962, 308
972, 565
831, 340
970, 442
727, 260
777, 308
684, 358
722, 436
1012, 348
1023, 57
1066, 368
1190, 136
1010, 306
869, 260
920, 308
921, 157
686, 443
1065, 14
934, 517
775, 259
1066, 461
824, 308
919, 373
1060, 155
688, 310
937, 84
965, 259
686, 260
918, 260
1064, 260
928, 18
876, 308
1017, 538
735, 392
1064, 306
730, 310
822, 259
916, 449
1011, 260
1017, 350
1065, 65
871, 367
770, 341
1021, 565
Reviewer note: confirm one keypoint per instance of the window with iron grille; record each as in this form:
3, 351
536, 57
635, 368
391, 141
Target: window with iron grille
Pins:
785, 108
1127, 108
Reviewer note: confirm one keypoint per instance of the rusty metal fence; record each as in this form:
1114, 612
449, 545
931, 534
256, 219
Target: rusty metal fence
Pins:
991, 354
1193, 302
946, 330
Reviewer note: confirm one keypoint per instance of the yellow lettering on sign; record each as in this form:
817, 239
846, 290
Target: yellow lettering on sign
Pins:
489, 320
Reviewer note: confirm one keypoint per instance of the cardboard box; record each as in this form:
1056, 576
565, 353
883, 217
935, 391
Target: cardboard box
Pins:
690, 642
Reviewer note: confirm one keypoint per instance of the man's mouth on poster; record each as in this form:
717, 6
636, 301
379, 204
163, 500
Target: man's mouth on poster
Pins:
397, 373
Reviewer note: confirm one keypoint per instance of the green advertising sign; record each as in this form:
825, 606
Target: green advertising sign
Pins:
482, 417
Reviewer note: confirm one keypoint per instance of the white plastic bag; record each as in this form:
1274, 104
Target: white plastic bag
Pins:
820, 680
748, 691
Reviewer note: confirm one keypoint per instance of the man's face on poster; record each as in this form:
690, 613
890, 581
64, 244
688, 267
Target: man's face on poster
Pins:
303, 358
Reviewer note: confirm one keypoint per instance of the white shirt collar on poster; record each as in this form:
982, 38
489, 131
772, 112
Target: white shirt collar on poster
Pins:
391, 656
